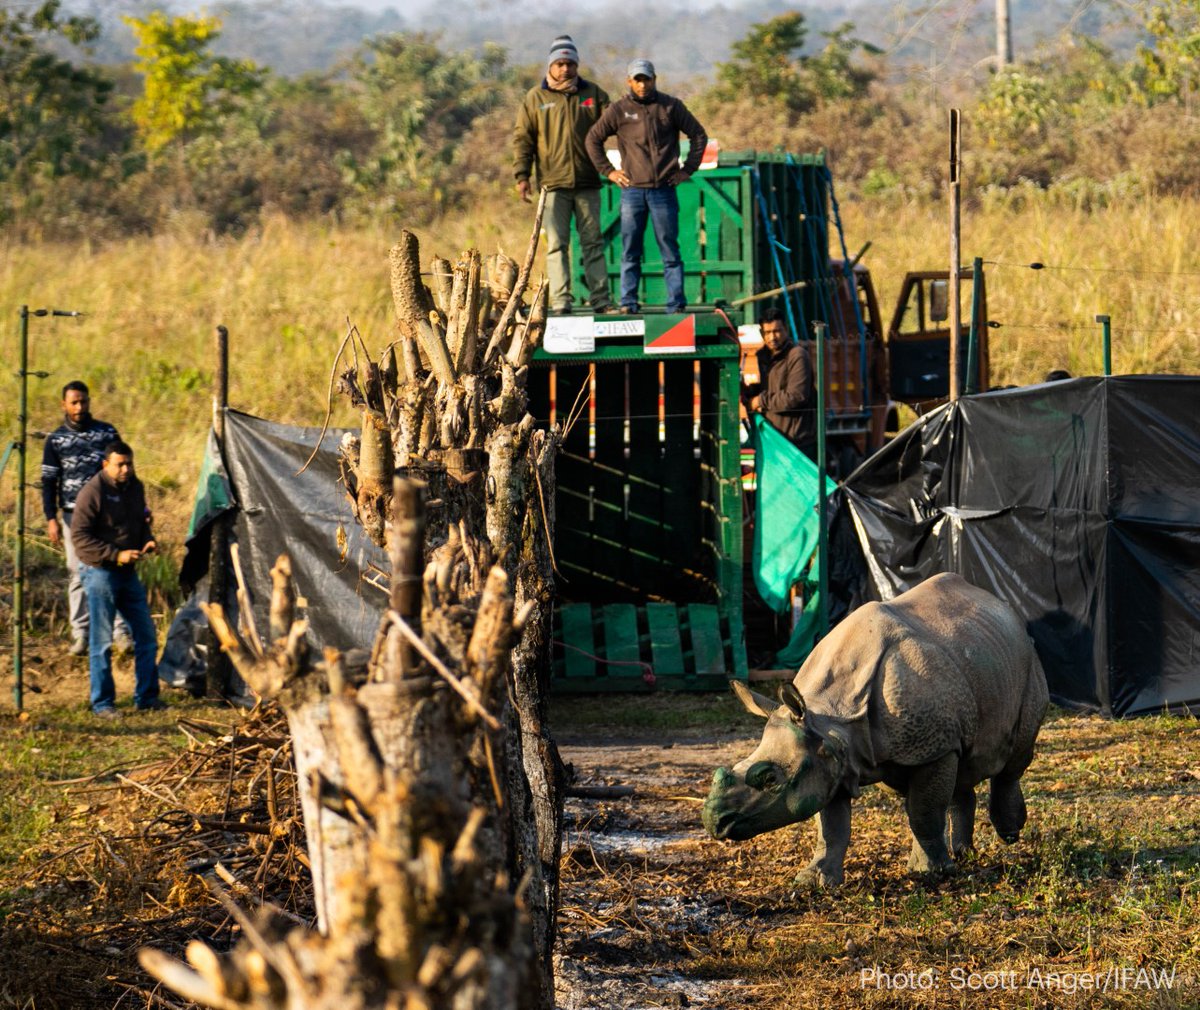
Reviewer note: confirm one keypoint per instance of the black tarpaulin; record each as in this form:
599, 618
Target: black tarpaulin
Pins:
1076, 501
305, 515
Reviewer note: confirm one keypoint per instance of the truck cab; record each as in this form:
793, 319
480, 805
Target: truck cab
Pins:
918, 344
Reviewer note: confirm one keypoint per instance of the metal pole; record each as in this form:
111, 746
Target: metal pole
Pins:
1004, 49
973, 339
218, 669
19, 559
955, 255
221, 393
1106, 323
822, 466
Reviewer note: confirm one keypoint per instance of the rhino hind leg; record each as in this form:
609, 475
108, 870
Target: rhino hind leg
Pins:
962, 820
833, 838
931, 787
1006, 805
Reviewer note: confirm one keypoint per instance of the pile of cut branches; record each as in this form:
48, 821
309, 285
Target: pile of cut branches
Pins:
173, 837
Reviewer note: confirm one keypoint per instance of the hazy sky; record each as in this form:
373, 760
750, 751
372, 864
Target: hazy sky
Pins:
410, 7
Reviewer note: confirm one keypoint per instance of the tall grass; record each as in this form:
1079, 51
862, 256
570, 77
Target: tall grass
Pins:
287, 291
1137, 264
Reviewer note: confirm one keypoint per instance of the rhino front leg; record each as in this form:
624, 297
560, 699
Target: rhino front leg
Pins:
962, 820
930, 789
833, 838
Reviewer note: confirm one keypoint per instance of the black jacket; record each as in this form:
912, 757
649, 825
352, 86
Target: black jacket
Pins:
109, 519
648, 139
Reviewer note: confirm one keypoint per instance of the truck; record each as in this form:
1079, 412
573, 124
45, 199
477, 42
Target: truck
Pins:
651, 526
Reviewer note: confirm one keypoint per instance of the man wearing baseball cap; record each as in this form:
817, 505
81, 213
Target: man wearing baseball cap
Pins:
647, 125
552, 126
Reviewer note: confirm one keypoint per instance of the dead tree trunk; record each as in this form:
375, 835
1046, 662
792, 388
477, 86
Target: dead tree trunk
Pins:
433, 791
448, 398
422, 910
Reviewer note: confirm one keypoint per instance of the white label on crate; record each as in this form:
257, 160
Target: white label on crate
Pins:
569, 335
621, 328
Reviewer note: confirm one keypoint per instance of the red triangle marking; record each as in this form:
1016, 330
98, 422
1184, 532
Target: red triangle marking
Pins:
680, 337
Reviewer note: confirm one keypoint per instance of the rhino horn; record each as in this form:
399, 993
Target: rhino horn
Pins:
755, 703
792, 700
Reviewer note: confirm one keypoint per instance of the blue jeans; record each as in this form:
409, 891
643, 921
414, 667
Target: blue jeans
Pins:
661, 206
112, 591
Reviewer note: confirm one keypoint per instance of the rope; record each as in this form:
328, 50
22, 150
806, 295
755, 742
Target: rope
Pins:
775, 246
1035, 265
647, 668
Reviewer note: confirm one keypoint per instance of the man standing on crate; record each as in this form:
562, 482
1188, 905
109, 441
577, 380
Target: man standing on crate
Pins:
647, 125
552, 125
111, 530
72, 455
785, 393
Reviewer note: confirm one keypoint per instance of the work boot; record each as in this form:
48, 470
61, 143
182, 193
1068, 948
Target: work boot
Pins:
78, 647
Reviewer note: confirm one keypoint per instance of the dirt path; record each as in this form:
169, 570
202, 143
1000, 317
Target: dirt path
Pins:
634, 896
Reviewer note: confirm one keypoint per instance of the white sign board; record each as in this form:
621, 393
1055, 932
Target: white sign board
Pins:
620, 328
569, 335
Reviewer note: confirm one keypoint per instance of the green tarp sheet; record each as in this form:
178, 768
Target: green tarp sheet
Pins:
785, 532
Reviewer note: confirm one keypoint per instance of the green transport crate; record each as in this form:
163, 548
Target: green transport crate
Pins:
728, 252
648, 509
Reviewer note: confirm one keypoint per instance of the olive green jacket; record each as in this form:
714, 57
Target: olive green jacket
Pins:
550, 133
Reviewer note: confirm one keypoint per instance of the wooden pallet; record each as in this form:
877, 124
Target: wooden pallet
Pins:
626, 647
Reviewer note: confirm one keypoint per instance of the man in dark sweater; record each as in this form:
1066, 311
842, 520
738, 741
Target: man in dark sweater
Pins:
785, 393
647, 125
111, 532
73, 454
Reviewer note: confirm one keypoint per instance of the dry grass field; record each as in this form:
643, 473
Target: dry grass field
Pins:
287, 291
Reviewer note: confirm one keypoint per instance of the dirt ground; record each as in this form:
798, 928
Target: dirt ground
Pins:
1103, 881
621, 946
653, 912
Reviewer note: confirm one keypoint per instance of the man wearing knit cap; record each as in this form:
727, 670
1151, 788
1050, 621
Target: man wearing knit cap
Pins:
551, 130
647, 125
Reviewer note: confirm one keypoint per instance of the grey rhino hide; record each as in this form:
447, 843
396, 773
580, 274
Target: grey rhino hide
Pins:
932, 693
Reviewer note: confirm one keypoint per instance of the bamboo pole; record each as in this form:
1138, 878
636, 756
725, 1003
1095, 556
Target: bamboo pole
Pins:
955, 253
19, 559
819, 330
218, 668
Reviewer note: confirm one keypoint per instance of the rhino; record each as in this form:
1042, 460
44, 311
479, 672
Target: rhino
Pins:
930, 693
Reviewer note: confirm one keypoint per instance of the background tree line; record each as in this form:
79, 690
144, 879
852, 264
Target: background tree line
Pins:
408, 128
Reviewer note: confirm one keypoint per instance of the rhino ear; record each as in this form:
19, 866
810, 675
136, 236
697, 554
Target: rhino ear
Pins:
792, 701
755, 703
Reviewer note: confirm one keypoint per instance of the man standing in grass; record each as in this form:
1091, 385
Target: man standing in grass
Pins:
552, 125
647, 125
73, 455
111, 532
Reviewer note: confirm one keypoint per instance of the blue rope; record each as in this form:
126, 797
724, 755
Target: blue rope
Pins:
794, 261
819, 257
775, 245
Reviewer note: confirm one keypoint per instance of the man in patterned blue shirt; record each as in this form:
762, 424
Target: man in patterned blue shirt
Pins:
73, 455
